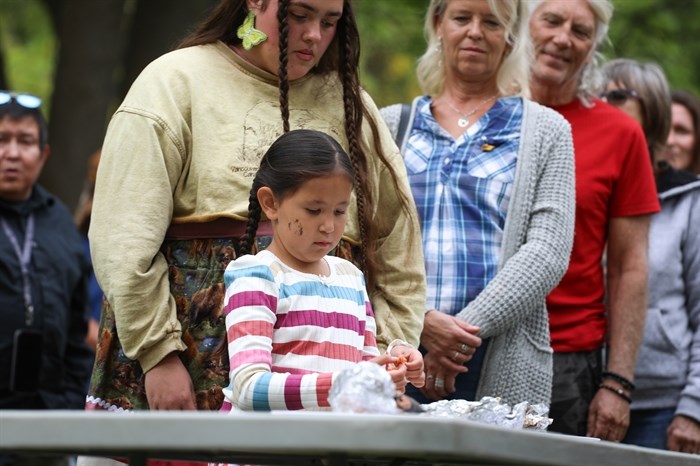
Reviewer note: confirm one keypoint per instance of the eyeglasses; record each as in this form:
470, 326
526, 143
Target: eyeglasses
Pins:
620, 96
25, 100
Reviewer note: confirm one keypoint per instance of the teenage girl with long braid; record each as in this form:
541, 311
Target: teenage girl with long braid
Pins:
171, 197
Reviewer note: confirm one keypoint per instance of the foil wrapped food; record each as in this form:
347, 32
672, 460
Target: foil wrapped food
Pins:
363, 388
492, 410
367, 388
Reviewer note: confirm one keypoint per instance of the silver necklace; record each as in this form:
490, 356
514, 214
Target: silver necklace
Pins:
463, 120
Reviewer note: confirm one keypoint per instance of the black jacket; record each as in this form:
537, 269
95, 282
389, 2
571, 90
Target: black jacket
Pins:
59, 272
668, 178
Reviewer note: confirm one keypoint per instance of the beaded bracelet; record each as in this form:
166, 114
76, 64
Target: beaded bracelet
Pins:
619, 379
618, 391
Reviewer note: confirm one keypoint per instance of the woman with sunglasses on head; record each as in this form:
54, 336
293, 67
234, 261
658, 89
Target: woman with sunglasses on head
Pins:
171, 197
683, 144
641, 91
665, 409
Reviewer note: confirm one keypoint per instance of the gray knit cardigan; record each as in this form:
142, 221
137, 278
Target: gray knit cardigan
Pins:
537, 241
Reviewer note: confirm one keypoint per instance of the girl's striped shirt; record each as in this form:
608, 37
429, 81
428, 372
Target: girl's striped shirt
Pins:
289, 333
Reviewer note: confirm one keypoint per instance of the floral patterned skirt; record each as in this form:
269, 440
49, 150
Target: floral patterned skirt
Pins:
196, 272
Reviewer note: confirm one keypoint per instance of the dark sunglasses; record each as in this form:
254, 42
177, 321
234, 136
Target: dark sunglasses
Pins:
25, 100
620, 96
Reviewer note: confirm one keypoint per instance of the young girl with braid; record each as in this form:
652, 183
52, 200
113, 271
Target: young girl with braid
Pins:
171, 197
295, 316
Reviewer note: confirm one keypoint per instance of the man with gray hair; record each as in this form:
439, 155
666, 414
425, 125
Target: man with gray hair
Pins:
615, 196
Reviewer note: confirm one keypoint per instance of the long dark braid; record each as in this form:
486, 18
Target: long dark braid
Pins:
283, 77
251, 229
349, 51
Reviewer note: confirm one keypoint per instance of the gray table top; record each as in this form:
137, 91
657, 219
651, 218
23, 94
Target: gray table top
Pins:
304, 437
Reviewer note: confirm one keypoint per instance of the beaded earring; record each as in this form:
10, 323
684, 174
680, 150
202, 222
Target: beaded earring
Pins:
248, 34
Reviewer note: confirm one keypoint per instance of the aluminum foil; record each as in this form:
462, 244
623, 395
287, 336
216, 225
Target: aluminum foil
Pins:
491, 410
365, 387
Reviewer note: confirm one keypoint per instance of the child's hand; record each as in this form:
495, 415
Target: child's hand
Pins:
413, 360
396, 368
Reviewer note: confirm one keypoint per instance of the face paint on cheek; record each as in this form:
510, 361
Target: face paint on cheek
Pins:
298, 228
295, 227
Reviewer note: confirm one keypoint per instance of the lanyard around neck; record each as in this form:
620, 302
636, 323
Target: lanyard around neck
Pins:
24, 256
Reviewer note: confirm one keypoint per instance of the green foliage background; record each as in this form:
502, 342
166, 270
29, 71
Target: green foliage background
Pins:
663, 31
29, 45
392, 38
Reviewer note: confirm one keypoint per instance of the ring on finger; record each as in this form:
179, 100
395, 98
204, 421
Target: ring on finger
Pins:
464, 348
455, 356
430, 377
439, 383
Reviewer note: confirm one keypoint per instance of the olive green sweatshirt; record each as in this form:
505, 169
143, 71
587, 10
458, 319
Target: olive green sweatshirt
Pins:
184, 147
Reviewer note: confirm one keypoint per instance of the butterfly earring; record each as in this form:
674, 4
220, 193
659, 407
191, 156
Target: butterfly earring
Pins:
248, 34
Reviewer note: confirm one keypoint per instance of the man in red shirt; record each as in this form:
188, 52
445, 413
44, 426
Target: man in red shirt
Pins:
615, 196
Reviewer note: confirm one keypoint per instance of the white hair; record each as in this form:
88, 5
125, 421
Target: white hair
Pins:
590, 77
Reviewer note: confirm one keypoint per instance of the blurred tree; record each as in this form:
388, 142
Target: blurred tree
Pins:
3, 73
54, 10
659, 31
104, 46
157, 27
89, 38
392, 41
99, 49
28, 47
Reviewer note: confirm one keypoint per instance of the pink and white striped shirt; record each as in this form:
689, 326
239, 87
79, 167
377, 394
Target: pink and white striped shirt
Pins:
289, 333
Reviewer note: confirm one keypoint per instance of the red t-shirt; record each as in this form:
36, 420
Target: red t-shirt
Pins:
614, 178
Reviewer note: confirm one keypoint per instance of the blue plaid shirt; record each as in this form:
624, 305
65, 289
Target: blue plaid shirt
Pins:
462, 188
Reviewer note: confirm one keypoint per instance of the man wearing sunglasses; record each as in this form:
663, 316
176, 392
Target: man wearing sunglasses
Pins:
44, 361
593, 307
